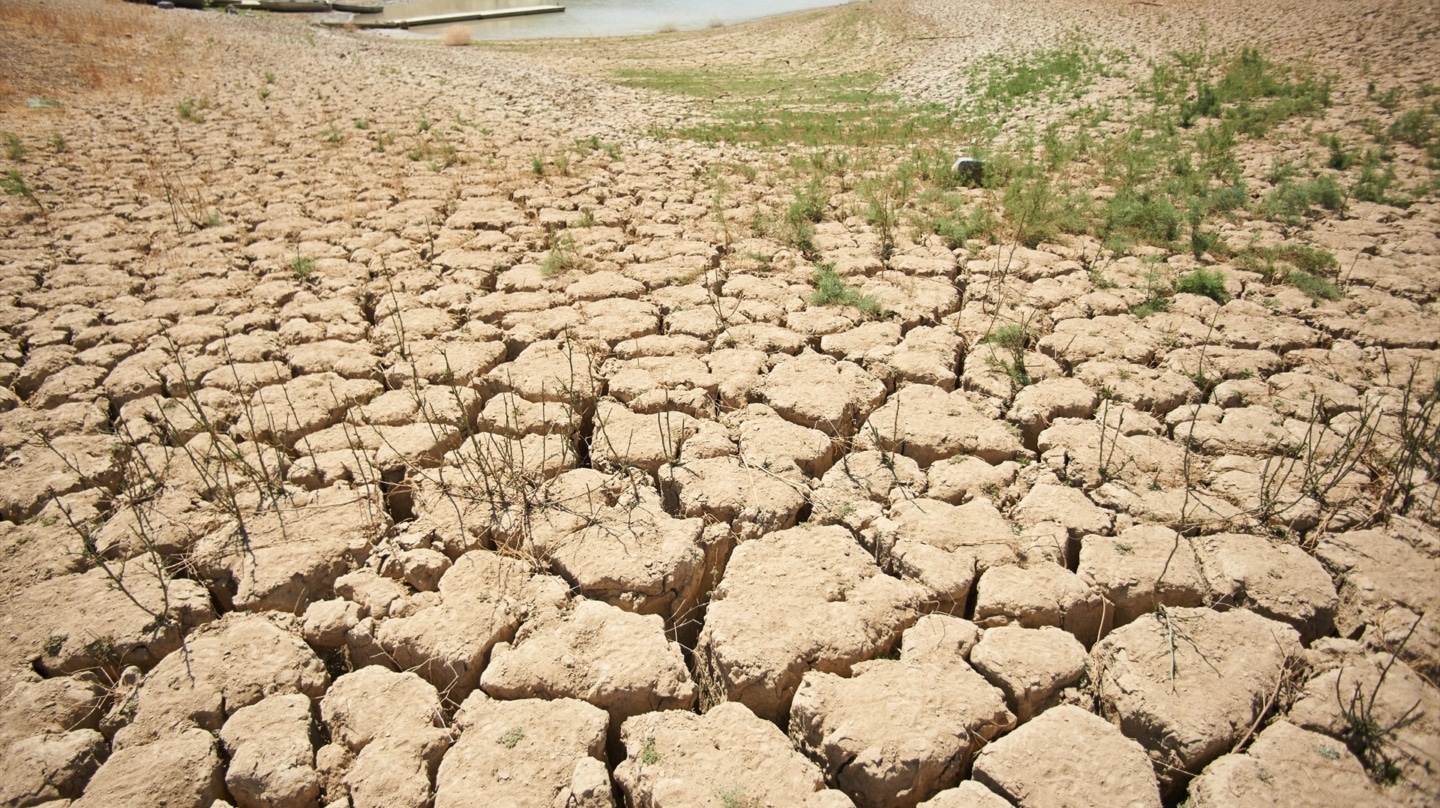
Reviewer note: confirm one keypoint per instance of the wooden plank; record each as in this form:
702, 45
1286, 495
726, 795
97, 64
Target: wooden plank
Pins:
458, 16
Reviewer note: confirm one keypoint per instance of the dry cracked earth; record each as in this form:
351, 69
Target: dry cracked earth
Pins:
387, 424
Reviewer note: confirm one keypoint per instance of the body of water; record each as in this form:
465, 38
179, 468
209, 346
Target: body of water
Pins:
587, 18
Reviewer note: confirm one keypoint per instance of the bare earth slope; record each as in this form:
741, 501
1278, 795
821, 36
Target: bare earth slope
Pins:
665, 421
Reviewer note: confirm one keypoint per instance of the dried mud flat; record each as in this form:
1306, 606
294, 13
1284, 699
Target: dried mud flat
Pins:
388, 424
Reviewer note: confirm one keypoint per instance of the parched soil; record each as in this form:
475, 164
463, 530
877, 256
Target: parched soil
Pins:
664, 421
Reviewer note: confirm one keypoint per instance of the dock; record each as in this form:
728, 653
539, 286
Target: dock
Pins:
458, 16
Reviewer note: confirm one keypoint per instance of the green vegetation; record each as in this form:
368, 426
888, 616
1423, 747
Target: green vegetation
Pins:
192, 110
15, 148
303, 266
831, 290
512, 736
1204, 282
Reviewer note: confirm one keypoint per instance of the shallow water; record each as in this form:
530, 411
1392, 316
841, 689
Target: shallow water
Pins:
587, 18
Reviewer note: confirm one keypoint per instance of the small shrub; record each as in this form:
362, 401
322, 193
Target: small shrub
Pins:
512, 736
1315, 288
537, 166
58, 144
1205, 282
831, 290
303, 266
456, 35
15, 148
648, 755
192, 110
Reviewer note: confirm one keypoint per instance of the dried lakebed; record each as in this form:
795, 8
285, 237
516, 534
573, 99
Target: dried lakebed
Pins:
423, 428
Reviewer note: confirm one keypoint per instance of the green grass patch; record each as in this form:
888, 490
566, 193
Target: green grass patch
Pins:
1205, 282
831, 290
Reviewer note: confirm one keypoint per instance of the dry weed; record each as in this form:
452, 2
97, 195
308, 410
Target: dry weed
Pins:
456, 35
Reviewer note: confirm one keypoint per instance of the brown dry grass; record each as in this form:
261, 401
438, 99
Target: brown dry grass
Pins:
64, 47
456, 35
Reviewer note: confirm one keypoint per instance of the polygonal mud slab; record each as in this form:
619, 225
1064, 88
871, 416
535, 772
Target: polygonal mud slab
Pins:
1189, 683
387, 737
483, 599
1287, 767
723, 758
749, 499
182, 770
943, 547
287, 555
1401, 710
271, 762
928, 424
815, 391
1031, 666
104, 617
1042, 594
524, 752
616, 660
1144, 567
896, 732
225, 665
808, 598
1278, 581
1031, 767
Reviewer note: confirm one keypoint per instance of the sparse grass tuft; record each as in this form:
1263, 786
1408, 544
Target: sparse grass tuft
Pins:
1205, 282
831, 290
15, 148
192, 110
303, 266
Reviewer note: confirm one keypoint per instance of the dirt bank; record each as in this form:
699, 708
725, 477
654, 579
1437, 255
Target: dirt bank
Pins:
666, 421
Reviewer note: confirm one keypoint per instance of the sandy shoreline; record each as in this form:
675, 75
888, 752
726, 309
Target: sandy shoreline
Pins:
385, 423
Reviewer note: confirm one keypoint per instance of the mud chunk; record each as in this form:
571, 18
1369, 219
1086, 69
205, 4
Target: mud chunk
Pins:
393, 725
271, 759
1042, 594
1188, 683
1024, 768
808, 598
229, 664
1281, 582
727, 756
726, 490
616, 660
895, 733
182, 770
1031, 666
483, 598
1146, 566
928, 424
815, 391
1287, 767
525, 752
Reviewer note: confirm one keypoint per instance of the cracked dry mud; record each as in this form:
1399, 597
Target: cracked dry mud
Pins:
390, 424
